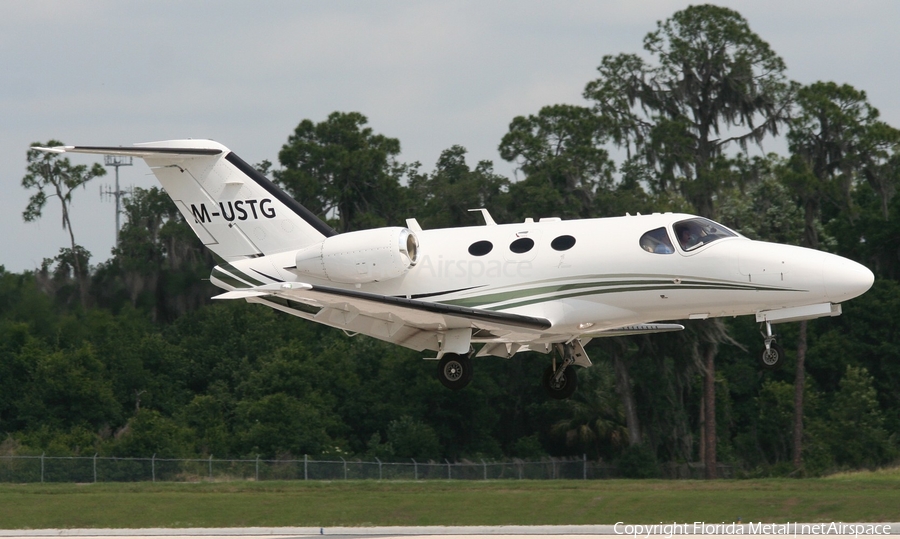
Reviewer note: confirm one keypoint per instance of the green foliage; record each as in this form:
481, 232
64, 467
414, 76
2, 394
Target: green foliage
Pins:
48, 172
775, 420
130, 358
339, 168
410, 438
713, 74
445, 196
560, 152
280, 424
857, 423
764, 208
593, 420
638, 462
150, 433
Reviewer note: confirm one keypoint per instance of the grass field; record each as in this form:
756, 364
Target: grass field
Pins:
860, 497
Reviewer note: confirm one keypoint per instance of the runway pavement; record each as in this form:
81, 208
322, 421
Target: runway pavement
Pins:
467, 532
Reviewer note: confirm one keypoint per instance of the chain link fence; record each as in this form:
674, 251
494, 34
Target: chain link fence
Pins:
45, 469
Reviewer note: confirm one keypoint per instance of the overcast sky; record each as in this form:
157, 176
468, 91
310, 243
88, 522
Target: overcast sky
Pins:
432, 74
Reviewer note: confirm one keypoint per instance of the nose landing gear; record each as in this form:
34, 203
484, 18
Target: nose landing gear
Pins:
773, 355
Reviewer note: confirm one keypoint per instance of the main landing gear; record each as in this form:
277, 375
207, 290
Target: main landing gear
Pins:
455, 371
560, 380
773, 355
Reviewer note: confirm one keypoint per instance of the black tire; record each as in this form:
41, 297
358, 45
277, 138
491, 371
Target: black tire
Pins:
565, 387
773, 358
455, 371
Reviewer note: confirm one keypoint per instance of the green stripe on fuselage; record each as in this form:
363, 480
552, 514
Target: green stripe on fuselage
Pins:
611, 286
616, 290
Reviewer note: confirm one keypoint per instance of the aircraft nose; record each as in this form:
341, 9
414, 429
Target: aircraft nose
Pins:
845, 279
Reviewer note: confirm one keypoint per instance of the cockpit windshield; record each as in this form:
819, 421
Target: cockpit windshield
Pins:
692, 233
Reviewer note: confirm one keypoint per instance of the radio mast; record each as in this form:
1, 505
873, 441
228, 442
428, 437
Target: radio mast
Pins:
116, 161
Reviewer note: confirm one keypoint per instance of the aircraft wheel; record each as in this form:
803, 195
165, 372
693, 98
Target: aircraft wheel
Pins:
455, 371
773, 357
562, 388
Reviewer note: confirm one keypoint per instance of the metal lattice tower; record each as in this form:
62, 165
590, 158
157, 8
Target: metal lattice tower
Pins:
116, 161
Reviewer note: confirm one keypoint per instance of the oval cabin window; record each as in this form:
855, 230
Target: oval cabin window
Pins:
562, 243
521, 245
657, 241
480, 248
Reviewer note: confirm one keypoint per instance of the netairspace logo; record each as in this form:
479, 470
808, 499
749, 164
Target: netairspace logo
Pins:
749, 528
472, 269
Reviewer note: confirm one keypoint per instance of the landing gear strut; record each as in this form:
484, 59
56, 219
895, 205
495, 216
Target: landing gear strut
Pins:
560, 380
455, 371
773, 355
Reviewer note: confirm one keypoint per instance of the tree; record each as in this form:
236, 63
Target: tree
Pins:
411, 438
560, 152
46, 171
159, 259
446, 195
857, 423
834, 136
339, 168
764, 208
715, 82
594, 421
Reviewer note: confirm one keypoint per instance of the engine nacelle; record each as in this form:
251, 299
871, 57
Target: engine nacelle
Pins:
365, 256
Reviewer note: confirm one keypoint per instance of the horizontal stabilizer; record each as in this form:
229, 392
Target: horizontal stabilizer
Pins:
242, 294
134, 151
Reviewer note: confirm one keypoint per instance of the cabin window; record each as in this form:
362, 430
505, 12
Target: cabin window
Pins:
521, 245
657, 241
480, 248
693, 233
562, 243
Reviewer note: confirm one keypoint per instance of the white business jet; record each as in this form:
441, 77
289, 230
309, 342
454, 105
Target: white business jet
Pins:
547, 286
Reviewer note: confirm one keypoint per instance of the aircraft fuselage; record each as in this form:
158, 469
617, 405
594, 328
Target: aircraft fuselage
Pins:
590, 275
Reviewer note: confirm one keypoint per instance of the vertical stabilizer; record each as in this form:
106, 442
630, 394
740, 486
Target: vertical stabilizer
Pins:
234, 210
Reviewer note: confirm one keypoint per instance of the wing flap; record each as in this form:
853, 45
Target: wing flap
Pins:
407, 322
391, 328
414, 312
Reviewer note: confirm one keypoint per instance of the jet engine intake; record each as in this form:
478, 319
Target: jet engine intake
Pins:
365, 256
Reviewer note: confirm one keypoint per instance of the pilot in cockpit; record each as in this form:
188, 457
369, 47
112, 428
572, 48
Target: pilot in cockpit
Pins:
687, 237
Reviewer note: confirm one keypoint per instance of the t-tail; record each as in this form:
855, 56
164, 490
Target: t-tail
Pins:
234, 210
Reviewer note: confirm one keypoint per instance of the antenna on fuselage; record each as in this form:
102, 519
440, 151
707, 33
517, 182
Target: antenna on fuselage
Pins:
488, 220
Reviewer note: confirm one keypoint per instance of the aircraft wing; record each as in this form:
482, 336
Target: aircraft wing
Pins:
408, 322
